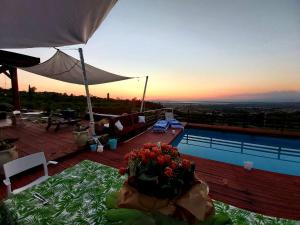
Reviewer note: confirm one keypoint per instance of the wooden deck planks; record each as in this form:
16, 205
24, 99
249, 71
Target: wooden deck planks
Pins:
256, 190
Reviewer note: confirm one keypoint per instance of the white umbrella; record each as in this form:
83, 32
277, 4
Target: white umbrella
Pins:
51, 23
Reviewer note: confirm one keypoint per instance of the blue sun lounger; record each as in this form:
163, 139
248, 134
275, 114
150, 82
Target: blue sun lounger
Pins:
160, 126
175, 124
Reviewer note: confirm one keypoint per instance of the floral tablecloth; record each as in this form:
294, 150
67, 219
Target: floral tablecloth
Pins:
78, 194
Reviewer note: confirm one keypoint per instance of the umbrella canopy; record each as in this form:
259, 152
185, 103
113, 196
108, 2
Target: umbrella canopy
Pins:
65, 68
50, 23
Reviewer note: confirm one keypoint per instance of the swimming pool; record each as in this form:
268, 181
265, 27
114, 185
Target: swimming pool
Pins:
281, 155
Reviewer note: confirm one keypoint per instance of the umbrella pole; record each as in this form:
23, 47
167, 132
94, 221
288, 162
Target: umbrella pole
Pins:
142, 104
88, 98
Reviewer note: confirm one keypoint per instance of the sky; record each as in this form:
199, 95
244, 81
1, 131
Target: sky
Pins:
191, 50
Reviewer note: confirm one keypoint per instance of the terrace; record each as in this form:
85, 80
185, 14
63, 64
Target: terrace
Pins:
228, 183
83, 171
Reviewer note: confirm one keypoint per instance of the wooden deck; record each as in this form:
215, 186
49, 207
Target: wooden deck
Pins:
259, 191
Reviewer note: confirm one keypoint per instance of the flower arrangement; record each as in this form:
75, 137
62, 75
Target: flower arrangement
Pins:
158, 170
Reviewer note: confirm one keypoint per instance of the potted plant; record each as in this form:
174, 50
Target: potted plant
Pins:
161, 181
81, 135
8, 151
159, 171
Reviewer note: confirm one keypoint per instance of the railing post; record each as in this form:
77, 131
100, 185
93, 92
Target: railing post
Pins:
210, 144
242, 147
279, 152
265, 119
283, 122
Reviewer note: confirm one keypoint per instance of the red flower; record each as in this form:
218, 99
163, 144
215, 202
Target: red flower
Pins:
156, 151
168, 172
152, 155
130, 156
147, 145
122, 170
141, 154
167, 158
173, 165
161, 160
186, 163
147, 151
155, 148
166, 147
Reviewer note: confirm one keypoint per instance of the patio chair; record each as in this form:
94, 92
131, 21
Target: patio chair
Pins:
169, 115
18, 118
25, 163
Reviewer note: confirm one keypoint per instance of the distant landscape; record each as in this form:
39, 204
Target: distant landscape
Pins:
269, 115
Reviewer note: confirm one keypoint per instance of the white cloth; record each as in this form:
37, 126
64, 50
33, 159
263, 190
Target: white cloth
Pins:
66, 68
119, 125
50, 23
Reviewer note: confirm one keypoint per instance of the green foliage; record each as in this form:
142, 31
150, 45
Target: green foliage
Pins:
123, 214
51, 101
111, 200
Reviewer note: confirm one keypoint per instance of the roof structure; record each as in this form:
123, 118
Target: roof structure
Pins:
9, 61
17, 60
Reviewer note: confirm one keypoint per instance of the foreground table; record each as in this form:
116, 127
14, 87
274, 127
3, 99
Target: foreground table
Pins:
78, 194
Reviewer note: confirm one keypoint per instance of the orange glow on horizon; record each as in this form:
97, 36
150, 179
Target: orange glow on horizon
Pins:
168, 87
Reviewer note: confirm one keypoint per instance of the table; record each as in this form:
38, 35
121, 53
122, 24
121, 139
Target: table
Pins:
76, 196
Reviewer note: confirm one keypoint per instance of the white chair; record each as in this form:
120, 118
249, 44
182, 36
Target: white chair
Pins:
18, 118
19, 165
169, 115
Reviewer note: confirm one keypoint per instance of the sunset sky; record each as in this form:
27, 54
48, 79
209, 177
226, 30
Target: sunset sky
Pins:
191, 50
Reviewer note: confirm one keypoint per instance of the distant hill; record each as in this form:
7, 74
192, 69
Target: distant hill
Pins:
275, 96
49, 101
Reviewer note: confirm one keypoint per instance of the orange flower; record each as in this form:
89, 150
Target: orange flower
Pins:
122, 170
168, 172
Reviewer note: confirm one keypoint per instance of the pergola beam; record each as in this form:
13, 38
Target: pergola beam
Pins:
9, 61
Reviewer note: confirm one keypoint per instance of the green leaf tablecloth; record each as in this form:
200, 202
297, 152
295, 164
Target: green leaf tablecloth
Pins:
78, 194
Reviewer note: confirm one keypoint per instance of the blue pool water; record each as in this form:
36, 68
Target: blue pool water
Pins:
281, 155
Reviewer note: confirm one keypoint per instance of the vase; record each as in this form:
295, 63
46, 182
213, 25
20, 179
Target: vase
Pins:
81, 138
